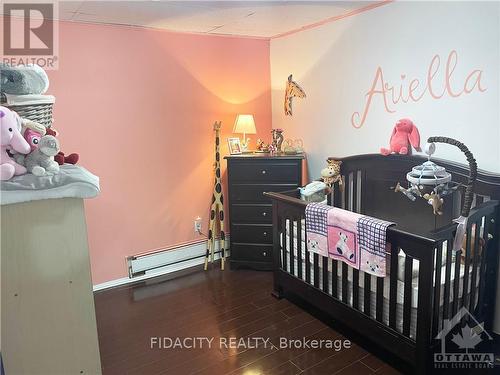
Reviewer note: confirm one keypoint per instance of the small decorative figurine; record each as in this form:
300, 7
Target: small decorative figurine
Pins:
299, 146
262, 146
292, 90
331, 174
277, 139
272, 149
289, 148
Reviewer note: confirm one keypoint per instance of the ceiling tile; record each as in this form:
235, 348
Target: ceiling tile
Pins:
246, 18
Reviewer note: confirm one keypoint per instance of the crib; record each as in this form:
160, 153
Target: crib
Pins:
426, 281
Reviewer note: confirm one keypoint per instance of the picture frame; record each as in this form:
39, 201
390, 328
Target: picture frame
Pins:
234, 146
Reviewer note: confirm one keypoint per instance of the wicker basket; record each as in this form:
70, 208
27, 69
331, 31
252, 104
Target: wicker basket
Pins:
41, 113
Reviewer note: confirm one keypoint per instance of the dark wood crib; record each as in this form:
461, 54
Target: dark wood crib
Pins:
426, 283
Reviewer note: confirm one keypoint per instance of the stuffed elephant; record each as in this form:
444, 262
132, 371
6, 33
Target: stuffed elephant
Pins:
41, 162
12, 140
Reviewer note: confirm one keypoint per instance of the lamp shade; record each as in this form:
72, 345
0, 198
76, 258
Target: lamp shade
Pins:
244, 124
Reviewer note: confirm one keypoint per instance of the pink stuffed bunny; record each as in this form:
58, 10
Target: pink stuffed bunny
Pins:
11, 138
404, 133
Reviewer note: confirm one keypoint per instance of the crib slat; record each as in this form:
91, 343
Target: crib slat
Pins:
368, 292
299, 248
283, 241
393, 285
437, 290
344, 282
482, 269
291, 237
447, 280
316, 269
325, 274
334, 278
355, 289
354, 196
456, 280
408, 289
475, 259
465, 285
308, 262
380, 299
347, 192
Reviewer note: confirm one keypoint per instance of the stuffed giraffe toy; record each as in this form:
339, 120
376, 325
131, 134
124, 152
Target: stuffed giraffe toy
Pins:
217, 207
292, 90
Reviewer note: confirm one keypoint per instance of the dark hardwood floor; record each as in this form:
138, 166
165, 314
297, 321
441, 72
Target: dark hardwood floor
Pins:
217, 304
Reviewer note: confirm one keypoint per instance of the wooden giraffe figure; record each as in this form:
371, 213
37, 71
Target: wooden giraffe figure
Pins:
217, 207
292, 90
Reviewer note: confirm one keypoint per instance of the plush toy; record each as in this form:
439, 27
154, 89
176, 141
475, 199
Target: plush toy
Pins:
60, 158
32, 132
41, 162
435, 201
11, 139
404, 133
331, 174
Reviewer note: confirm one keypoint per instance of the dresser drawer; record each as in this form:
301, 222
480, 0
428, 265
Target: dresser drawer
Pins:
262, 234
254, 214
259, 172
252, 253
240, 193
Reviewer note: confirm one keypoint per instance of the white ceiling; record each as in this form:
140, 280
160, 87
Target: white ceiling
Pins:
243, 18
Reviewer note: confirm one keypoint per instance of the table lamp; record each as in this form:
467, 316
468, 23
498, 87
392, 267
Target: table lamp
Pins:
246, 125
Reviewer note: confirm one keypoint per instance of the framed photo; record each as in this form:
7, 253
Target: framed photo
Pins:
234, 146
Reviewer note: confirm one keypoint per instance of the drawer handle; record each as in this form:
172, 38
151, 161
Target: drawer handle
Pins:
264, 171
265, 234
264, 214
264, 253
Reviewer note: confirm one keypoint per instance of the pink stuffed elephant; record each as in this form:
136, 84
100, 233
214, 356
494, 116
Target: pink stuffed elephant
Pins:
12, 139
404, 133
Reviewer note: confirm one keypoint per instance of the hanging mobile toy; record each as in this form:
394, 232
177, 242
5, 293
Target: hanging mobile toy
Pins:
432, 182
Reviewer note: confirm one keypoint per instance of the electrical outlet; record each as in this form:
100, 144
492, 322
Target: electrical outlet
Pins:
197, 225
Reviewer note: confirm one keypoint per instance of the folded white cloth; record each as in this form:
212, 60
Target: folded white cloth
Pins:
72, 181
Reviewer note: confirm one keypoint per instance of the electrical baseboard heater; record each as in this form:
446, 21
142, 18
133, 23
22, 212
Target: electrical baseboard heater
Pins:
171, 260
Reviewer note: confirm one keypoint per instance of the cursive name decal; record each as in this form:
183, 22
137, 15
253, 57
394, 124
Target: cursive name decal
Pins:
414, 91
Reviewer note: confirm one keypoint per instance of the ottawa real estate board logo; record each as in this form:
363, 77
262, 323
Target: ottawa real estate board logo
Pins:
459, 338
29, 34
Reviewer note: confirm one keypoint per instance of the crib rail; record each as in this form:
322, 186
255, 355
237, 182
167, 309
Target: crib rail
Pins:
427, 281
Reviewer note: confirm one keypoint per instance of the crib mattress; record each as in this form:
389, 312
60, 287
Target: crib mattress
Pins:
400, 284
361, 293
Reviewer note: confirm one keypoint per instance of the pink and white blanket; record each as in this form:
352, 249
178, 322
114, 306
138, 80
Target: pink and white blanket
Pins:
358, 240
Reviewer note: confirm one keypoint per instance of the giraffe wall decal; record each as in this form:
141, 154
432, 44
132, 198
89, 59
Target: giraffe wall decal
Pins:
216, 208
292, 90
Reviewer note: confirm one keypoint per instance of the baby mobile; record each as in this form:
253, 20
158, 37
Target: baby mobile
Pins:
432, 182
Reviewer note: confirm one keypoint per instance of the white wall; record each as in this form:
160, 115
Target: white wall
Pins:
336, 64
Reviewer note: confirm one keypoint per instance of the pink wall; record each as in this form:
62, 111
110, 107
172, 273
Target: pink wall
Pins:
138, 105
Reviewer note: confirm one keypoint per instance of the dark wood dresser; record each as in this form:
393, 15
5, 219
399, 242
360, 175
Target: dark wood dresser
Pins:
250, 212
